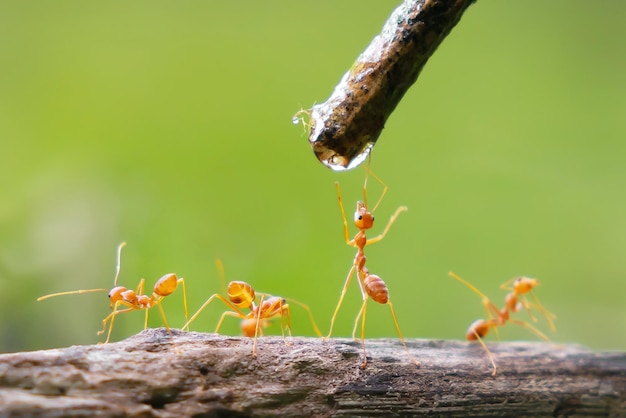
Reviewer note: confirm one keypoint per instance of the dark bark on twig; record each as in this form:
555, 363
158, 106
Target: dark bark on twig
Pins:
345, 127
155, 374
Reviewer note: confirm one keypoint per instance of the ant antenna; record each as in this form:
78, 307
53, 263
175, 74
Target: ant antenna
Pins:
222, 274
368, 169
119, 262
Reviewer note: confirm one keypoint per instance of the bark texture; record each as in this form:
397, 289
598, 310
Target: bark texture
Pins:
343, 130
156, 374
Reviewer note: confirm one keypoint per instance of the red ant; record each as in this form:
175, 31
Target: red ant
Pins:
241, 295
371, 285
521, 286
133, 299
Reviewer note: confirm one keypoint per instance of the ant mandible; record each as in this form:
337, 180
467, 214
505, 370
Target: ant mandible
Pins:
371, 285
133, 299
519, 287
241, 295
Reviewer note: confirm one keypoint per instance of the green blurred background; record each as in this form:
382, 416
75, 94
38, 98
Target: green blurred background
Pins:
168, 125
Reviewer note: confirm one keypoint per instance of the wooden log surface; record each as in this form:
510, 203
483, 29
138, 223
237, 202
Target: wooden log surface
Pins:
190, 374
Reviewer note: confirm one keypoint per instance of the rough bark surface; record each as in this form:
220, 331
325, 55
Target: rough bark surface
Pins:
156, 374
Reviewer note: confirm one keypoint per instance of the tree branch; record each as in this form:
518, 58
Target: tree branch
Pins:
343, 129
192, 374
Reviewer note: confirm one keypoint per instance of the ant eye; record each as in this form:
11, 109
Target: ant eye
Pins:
360, 217
372, 218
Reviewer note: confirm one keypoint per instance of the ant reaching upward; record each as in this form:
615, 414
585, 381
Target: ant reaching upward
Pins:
133, 299
241, 295
371, 285
519, 287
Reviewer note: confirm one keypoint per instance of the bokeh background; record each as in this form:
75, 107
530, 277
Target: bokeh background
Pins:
168, 125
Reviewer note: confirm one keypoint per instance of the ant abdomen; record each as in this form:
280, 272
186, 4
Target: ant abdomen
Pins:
376, 288
166, 285
479, 328
241, 294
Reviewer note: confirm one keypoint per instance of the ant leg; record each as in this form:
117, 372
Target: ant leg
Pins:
391, 221
343, 293
385, 187
167, 326
356, 321
112, 321
257, 325
550, 317
284, 308
363, 311
288, 309
308, 310
282, 321
112, 317
489, 354
346, 232
507, 285
109, 316
364, 295
494, 316
531, 328
395, 321
195, 315
115, 312
145, 322
492, 310
140, 287
224, 315
182, 281
206, 303
298, 118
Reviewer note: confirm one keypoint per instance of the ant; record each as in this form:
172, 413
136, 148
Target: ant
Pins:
303, 117
133, 299
241, 295
519, 287
371, 285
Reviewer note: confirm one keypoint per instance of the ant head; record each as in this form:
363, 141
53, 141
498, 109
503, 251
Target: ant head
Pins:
363, 218
116, 293
523, 285
120, 293
241, 294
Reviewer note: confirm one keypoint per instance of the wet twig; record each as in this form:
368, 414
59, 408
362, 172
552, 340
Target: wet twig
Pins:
343, 129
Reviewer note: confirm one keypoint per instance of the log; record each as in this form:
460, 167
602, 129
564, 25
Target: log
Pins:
190, 374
